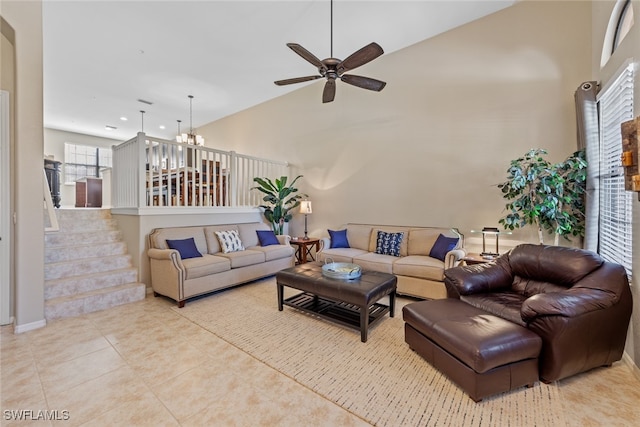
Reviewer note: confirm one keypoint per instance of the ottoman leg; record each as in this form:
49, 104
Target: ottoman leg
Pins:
364, 323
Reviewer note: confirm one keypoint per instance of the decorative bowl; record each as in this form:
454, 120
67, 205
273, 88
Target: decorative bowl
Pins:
341, 270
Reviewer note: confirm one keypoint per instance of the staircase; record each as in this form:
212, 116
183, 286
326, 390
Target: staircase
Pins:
87, 267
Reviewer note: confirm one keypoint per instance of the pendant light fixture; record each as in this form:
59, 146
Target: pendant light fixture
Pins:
190, 138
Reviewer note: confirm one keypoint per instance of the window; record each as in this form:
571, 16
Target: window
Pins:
83, 160
625, 22
615, 103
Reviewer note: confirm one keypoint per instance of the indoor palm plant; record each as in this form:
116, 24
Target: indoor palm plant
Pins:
280, 200
548, 196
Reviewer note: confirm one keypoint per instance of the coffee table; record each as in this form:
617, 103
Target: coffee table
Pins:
353, 302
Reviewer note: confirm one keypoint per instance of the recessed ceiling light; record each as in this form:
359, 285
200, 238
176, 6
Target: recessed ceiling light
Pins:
123, 118
109, 127
162, 127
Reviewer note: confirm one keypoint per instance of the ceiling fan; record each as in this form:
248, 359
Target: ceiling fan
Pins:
333, 68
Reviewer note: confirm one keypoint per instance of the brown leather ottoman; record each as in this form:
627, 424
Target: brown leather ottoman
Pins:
482, 353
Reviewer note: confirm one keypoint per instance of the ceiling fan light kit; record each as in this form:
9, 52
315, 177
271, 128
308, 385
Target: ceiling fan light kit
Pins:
333, 68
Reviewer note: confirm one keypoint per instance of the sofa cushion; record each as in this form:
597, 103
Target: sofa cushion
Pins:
420, 266
229, 241
340, 254
248, 233
160, 236
339, 239
376, 262
389, 243
442, 246
205, 265
502, 304
272, 252
244, 258
359, 236
421, 240
213, 244
186, 247
267, 237
554, 264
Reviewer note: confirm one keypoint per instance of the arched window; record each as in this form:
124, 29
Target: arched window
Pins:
625, 22
620, 23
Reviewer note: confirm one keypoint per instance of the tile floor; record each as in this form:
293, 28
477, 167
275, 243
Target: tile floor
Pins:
142, 364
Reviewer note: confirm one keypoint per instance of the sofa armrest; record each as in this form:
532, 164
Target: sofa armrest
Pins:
166, 254
473, 279
453, 258
325, 243
570, 303
284, 239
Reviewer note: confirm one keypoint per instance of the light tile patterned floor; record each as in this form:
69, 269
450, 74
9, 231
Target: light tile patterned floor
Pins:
143, 364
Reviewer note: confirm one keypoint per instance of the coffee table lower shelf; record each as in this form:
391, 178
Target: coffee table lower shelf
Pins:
338, 312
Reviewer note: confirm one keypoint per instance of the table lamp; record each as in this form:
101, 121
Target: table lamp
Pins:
305, 208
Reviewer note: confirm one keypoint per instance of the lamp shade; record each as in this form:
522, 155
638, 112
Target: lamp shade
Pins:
305, 207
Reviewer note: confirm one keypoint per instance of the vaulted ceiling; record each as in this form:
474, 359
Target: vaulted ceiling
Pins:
102, 57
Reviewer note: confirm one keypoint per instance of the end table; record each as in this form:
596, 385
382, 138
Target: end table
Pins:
471, 259
304, 247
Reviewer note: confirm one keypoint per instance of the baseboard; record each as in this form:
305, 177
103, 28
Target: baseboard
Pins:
18, 329
629, 362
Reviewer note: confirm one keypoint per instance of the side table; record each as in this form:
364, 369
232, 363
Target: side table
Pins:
304, 248
471, 259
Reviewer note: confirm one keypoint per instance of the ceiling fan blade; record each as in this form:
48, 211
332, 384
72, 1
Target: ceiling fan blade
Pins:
360, 57
296, 80
329, 92
363, 82
305, 54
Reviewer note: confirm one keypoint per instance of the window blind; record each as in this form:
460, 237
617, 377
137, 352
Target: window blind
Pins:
615, 233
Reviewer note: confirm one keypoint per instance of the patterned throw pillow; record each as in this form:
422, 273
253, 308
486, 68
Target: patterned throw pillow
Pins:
389, 243
229, 241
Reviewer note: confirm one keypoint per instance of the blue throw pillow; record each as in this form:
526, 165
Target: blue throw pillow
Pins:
389, 243
267, 237
443, 245
186, 247
338, 239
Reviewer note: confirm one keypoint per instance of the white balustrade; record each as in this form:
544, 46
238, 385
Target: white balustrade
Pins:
153, 172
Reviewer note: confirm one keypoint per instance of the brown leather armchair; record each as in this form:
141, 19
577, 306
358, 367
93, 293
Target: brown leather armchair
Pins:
579, 304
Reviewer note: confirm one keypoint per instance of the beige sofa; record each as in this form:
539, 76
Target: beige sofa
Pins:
419, 275
181, 279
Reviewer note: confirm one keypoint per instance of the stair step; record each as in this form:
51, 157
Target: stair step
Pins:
66, 238
73, 224
88, 282
84, 213
96, 300
68, 253
81, 267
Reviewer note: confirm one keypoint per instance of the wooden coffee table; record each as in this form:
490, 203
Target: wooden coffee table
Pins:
353, 303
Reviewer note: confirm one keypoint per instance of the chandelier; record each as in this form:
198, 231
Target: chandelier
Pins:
189, 138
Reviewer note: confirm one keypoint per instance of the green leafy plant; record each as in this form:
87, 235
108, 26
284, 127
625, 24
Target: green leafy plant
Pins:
547, 196
280, 200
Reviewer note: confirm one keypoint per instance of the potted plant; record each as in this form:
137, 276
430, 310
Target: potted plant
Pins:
548, 196
280, 200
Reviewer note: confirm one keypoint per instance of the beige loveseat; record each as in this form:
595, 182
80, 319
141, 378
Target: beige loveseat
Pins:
181, 279
419, 275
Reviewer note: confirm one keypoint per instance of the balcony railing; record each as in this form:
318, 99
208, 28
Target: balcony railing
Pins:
152, 172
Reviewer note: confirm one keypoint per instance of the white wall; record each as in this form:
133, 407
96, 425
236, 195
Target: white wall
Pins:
26, 19
629, 48
431, 147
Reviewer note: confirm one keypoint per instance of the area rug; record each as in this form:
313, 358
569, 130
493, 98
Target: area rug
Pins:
382, 381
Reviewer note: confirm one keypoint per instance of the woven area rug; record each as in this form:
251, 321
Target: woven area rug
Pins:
382, 381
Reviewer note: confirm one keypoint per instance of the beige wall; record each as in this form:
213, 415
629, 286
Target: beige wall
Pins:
431, 147
26, 19
54, 145
629, 48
